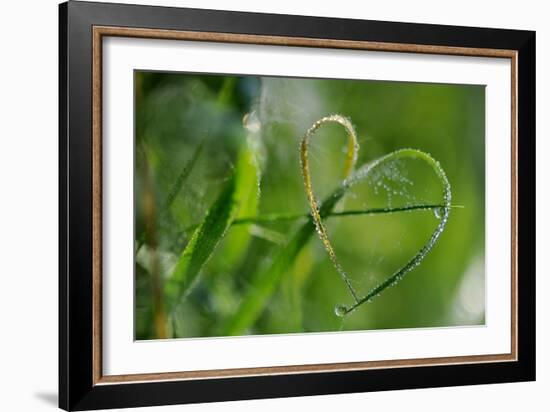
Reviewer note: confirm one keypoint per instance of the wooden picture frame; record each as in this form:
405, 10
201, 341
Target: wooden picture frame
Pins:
82, 383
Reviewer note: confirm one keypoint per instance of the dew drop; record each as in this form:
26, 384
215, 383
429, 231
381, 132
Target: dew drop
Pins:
340, 310
438, 212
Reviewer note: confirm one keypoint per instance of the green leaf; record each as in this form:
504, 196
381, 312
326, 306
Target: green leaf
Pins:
235, 193
237, 239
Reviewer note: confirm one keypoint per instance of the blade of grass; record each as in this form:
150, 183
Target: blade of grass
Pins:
174, 191
183, 175
208, 234
237, 239
351, 159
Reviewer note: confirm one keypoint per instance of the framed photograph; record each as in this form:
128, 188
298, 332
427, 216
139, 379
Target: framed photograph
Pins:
257, 205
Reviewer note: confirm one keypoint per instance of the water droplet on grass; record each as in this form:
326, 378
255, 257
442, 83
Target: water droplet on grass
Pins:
340, 310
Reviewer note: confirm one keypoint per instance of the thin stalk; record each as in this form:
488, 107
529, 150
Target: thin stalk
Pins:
149, 204
281, 217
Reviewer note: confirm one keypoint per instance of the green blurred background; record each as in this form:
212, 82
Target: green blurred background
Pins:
190, 130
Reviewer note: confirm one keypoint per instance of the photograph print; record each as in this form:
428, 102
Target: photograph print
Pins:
277, 205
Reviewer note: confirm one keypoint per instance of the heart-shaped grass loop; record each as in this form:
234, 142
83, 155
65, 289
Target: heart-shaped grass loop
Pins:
351, 178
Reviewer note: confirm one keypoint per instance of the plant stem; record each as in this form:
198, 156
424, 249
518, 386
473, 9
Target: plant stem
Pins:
280, 217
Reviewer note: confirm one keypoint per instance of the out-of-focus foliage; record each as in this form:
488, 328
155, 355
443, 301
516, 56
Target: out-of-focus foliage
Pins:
223, 241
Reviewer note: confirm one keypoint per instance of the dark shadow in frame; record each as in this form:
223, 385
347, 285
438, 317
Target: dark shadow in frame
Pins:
81, 384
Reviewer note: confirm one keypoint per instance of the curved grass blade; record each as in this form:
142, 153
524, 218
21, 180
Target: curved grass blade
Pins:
351, 159
442, 212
